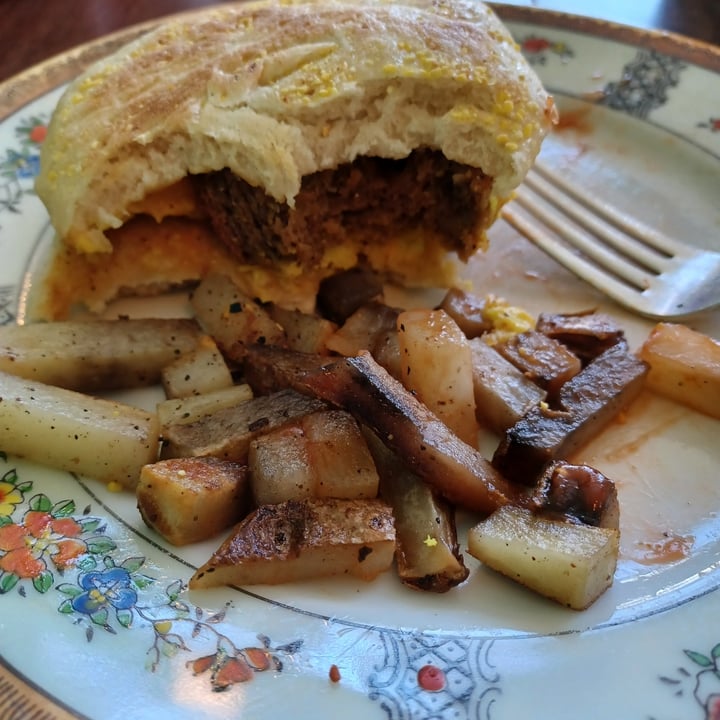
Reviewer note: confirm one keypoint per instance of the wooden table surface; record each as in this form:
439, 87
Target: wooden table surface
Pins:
34, 30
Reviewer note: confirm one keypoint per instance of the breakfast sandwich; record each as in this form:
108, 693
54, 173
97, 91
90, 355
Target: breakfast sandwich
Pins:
281, 142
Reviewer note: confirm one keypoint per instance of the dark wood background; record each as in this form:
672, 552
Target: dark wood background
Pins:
34, 30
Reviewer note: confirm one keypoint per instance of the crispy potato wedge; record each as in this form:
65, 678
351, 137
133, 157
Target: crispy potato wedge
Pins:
301, 540
187, 500
570, 563
684, 366
103, 439
428, 555
98, 354
586, 404
455, 469
201, 370
230, 316
227, 433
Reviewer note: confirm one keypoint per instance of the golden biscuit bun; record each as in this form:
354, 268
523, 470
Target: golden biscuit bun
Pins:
278, 91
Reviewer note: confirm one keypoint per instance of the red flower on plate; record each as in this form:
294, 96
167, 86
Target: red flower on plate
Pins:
38, 133
26, 547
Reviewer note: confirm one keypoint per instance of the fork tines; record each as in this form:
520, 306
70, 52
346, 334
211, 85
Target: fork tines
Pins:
634, 264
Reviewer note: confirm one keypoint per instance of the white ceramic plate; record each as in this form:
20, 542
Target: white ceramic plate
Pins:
100, 625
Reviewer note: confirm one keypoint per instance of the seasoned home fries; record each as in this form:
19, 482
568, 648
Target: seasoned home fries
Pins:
326, 421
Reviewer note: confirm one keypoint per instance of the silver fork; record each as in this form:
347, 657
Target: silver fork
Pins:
633, 264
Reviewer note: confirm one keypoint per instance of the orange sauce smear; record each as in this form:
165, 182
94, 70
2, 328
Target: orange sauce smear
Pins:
670, 549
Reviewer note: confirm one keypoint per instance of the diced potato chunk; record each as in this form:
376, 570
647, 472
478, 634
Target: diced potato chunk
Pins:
180, 411
103, 439
199, 371
304, 332
502, 393
301, 540
230, 316
339, 455
191, 499
96, 355
436, 365
570, 563
684, 366
280, 467
321, 455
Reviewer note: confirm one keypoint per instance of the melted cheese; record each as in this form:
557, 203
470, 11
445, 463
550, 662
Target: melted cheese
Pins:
178, 200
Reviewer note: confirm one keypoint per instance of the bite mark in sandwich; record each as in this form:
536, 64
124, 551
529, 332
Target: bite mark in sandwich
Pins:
282, 142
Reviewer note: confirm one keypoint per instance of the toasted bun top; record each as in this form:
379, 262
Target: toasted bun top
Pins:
278, 90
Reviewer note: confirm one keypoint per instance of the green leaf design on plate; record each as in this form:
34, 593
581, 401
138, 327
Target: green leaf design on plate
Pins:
40, 503
66, 607
69, 590
100, 617
44, 581
10, 476
8, 581
90, 524
142, 581
132, 564
87, 563
64, 508
125, 617
699, 658
174, 589
99, 545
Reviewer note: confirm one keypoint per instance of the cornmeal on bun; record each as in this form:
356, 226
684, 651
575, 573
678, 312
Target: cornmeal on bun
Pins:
281, 142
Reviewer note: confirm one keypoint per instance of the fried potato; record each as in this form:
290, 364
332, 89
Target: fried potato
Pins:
427, 555
684, 366
436, 365
103, 439
570, 563
187, 500
320, 455
182, 411
230, 316
502, 393
227, 433
301, 540
304, 332
201, 370
98, 354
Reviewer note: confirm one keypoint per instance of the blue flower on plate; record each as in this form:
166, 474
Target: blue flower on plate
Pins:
103, 588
